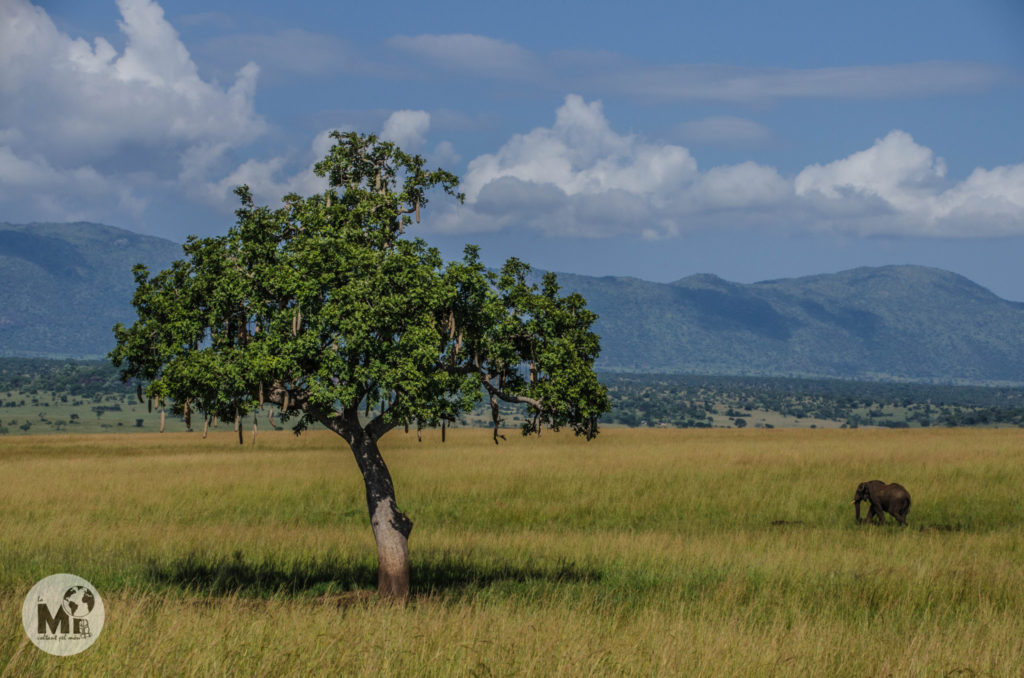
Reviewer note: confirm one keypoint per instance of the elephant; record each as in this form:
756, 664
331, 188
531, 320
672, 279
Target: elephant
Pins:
892, 498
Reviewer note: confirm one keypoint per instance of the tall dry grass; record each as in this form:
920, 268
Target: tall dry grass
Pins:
668, 552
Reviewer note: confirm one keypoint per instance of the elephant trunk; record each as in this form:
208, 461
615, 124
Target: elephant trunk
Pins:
856, 505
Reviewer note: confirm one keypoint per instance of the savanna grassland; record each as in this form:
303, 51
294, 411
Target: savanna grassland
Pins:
644, 552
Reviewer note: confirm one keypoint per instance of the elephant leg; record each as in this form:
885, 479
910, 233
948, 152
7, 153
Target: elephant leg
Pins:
879, 513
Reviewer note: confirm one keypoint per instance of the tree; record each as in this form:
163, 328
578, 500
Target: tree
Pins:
322, 308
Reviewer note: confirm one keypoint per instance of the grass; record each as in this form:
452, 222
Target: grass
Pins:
653, 552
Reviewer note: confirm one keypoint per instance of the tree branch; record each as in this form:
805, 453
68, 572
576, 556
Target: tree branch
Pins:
511, 397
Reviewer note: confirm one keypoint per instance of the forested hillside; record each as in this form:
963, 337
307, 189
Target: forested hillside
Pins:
67, 284
894, 322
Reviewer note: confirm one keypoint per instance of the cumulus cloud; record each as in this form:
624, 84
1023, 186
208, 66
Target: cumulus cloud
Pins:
270, 180
90, 131
85, 111
582, 154
899, 186
894, 168
994, 197
408, 129
742, 186
88, 99
444, 154
581, 178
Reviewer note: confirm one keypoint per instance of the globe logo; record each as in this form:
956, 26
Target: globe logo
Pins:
78, 601
63, 614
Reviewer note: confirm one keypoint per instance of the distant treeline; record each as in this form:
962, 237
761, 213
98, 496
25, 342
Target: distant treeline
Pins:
666, 400
688, 401
83, 378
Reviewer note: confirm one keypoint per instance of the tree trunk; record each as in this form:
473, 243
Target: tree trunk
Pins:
391, 527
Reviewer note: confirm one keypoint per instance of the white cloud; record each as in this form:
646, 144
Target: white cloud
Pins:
582, 154
996, 197
77, 98
445, 155
269, 180
408, 129
747, 185
323, 142
895, 169
99, 118
899, 186
580, 177
91, 131
895, 172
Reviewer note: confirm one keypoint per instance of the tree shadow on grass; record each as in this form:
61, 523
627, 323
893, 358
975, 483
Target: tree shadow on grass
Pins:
208, 575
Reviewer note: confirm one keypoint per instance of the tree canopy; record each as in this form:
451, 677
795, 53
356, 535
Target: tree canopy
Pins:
325, 309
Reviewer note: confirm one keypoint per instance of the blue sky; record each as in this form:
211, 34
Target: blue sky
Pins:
748, 139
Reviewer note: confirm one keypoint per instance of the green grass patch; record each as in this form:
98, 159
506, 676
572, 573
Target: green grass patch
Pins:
655, 552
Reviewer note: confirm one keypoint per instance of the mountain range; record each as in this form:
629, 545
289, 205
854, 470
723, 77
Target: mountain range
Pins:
893, 322
65, 285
